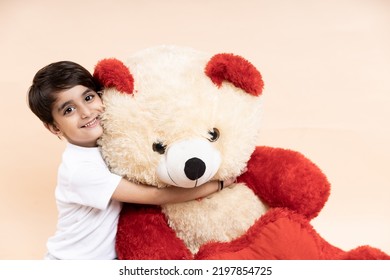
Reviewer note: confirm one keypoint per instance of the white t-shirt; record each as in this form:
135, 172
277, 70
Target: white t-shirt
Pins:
87, 217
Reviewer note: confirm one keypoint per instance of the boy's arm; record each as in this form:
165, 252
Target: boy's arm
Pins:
130, 192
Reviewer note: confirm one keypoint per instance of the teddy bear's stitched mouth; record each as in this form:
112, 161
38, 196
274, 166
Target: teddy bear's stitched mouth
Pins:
170, 177
173, 181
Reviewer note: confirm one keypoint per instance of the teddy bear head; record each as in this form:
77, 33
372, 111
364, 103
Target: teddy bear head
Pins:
177, 116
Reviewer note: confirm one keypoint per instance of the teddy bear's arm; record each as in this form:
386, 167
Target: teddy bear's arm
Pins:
285, 178
144, 234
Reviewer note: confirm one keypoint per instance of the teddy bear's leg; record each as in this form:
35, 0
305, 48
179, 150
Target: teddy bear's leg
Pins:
285, 178
279, 234
143, 234
365, 253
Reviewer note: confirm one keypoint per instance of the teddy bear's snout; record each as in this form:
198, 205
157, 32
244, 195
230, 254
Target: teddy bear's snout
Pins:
189, 163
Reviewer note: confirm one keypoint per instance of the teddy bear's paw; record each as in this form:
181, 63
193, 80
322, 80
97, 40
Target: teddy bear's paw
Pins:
286, 178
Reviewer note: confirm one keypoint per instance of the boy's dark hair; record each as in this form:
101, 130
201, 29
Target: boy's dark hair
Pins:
53, 78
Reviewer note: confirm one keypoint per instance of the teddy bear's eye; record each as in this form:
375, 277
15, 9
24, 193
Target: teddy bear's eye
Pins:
159, 147
214, 134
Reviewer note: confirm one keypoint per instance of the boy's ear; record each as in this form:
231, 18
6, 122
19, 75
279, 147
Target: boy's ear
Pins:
52, 128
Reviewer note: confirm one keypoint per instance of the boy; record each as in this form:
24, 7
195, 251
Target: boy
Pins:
64, 96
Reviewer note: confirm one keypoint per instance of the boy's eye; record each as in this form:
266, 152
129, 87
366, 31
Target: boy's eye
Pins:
68, 110
89, 97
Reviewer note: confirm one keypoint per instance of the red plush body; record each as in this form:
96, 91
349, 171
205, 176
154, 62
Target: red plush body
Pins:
293, 187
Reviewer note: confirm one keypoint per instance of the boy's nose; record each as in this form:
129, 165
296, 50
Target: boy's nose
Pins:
85, 112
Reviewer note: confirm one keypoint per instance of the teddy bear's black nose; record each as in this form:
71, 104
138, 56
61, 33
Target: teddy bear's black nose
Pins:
194, 168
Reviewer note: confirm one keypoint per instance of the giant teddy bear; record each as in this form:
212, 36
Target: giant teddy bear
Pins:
177, 116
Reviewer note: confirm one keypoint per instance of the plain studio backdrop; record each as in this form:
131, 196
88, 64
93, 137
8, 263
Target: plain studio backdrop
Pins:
326, 67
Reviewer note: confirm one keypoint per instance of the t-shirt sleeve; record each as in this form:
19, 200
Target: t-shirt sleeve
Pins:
93, 185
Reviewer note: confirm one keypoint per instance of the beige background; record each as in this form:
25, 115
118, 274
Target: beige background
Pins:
326, 65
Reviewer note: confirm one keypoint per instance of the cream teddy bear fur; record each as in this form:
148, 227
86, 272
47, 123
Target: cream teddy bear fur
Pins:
176, 113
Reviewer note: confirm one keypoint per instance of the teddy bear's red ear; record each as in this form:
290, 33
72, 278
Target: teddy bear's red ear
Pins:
111, 72
237, 70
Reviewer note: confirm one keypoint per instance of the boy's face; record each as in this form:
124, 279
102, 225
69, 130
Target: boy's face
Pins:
76, 114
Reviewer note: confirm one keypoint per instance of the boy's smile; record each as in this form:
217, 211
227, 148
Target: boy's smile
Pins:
92, 123
76, 114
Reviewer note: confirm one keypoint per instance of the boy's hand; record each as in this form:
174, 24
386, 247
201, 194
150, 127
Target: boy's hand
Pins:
229, 183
